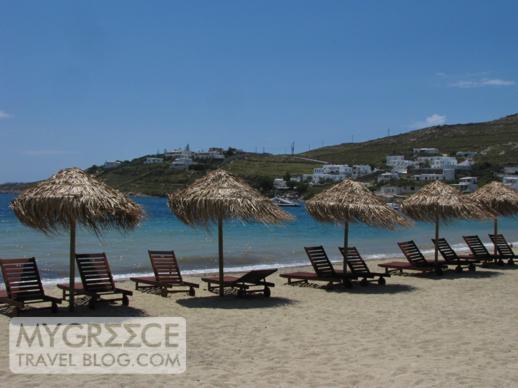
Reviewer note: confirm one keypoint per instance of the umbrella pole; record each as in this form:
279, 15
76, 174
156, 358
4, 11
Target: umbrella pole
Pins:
72, 264
346, 244
220, 249
436, 251
495, 232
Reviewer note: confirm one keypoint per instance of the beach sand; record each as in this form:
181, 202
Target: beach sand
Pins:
455, 330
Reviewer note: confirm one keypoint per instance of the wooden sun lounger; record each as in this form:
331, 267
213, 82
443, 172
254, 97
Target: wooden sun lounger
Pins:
480, 252
167, 275
451, 257
503, 248
245, 284
324, 270
97, 280
416, 261
359, 268
23, 284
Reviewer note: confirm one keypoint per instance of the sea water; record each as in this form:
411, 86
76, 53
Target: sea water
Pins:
246, 245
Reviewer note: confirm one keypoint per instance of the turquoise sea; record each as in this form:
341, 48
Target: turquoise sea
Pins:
246, 245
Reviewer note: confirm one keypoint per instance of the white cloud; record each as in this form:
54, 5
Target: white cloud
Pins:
430, 121
4, 115
44, 152
482, 82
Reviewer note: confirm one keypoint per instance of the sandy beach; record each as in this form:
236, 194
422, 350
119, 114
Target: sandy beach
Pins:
456, 330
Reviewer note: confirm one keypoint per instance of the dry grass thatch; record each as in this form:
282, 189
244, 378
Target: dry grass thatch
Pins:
350, 201
497, 198
71, 194
439, 201
222, 195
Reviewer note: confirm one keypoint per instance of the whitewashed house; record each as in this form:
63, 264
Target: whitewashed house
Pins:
387, 177
181, 163
468, 184
109, 164
425, 151
359, 170
280, 184
153, 160
511, 181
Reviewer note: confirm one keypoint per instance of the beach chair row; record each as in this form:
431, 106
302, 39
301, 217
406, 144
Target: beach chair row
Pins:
23, 283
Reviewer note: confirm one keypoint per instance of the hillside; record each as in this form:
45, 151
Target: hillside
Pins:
496, 141
157, 179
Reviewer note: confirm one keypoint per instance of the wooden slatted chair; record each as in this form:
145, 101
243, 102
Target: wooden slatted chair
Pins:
23, 284
167, 275
324, 270
97, 280
451, 257
360, 269
249, 283
480, 252
415, 261
503, 248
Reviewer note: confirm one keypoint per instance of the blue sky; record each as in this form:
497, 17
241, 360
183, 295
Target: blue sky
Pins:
86, 81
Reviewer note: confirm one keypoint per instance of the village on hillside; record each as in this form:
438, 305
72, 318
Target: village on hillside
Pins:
401, 177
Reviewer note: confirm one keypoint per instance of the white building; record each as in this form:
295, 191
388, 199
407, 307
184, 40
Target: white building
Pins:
152, 160
280, 184
468, 184
392, 160
359, 170
181, 163
447, 175
425, 151
511, 170
111, 164
429, 177
209, 155
442, 162
180, 153
511, 181
401, 166
387, 177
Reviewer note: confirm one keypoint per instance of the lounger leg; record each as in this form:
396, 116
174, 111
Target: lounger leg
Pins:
510, 262
54, 307
125, 300
192, 291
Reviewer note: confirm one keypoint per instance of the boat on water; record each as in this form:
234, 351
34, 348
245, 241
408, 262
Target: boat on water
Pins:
283, 202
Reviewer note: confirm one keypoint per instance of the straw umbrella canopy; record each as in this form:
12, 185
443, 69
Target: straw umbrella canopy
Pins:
219, 196
438, 202
351, 202
498, 199
72, 197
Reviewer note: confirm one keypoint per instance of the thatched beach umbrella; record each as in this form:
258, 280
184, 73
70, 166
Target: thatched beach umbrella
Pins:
351, 202
498, 199
72, 197
438, 202
219, 196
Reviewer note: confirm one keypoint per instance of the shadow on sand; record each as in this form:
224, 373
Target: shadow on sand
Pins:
357, 289
233, 302
81, 310
452, 275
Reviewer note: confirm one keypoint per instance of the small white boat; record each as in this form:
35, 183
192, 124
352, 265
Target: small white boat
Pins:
283, 202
